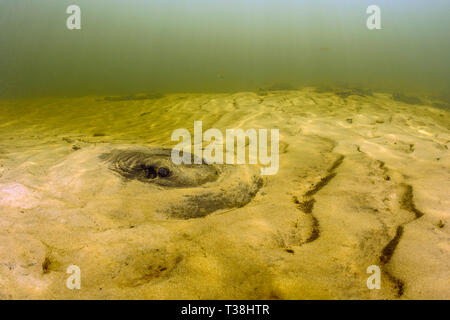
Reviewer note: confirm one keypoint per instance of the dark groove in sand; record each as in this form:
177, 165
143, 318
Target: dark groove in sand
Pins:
406, 203
322, 183
336, 163
315, 234
386, 255
307, 205
388, 250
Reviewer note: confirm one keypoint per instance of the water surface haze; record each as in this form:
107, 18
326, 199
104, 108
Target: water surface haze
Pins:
220, 46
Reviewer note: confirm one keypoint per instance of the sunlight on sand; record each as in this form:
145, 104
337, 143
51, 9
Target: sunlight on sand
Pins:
363, 180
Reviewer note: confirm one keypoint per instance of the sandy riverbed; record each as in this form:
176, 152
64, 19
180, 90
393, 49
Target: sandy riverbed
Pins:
363, 180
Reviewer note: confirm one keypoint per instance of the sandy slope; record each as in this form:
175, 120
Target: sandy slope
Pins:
363, 180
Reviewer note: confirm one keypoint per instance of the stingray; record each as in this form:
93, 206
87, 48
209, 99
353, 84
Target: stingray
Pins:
209, 187
156, 166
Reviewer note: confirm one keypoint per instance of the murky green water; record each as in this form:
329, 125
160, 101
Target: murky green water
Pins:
221, 46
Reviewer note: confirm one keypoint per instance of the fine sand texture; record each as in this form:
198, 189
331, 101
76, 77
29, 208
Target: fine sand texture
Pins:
364, 180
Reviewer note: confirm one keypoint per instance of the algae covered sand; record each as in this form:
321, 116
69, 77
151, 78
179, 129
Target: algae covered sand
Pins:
364, 180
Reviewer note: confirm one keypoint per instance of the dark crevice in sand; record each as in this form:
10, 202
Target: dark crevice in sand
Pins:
315, 233
406, 203
307, 205
399, 285
336, 163
382, 166
386, 255
322, 183
388, 250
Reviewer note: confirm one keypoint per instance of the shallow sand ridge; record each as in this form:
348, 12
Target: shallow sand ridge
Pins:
363, 180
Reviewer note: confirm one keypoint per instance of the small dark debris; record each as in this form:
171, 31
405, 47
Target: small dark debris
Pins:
46, 265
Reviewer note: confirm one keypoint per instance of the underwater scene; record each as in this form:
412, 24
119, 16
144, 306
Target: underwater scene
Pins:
213, 149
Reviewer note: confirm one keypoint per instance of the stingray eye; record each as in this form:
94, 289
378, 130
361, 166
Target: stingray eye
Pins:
163, 172
150, 172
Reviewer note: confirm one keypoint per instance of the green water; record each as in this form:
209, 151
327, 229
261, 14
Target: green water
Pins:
136, 46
